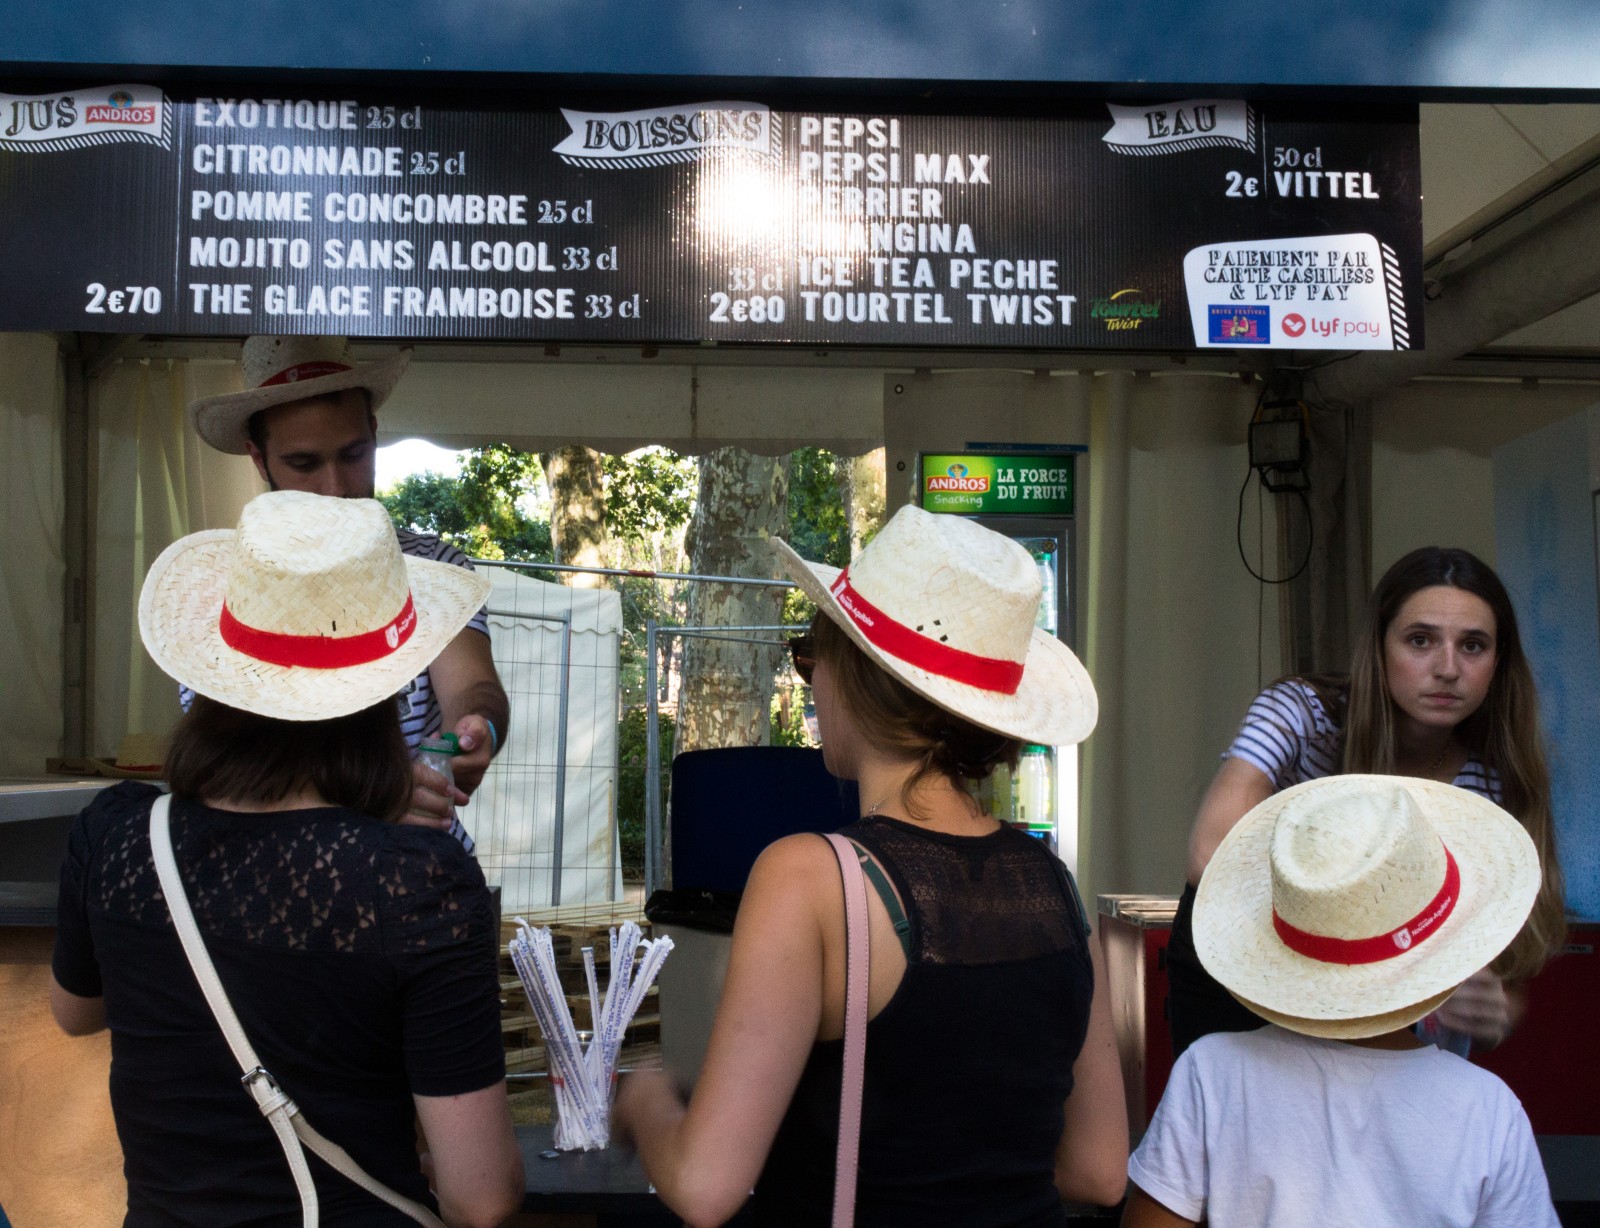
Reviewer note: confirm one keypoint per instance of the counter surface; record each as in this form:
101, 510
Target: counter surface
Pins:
44, 797
29, 904
607, 1182
1139, 911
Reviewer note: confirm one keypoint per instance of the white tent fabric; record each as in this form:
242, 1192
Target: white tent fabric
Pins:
32, 606
512, 815
154, 482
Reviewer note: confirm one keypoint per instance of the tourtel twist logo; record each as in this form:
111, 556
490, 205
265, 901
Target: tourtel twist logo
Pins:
665, 135
1126, 309
98, 115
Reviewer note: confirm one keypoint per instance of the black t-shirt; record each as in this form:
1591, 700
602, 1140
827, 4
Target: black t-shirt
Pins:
360, 958
969, 1064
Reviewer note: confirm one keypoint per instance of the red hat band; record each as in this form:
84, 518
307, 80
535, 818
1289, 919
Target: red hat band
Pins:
906, 644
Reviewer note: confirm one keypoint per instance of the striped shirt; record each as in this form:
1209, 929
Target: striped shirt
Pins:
420, 715
1289, 736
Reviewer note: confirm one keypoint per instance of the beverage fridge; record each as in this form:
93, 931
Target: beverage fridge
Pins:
1029, 497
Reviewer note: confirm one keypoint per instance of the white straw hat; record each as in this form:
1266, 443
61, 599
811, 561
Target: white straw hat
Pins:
278, 370
948, 606
1354, 905
307, 611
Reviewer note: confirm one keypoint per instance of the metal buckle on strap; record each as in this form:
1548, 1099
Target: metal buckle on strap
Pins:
249, 1078
264, 1090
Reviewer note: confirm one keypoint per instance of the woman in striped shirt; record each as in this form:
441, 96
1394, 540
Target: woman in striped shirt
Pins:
1439, 688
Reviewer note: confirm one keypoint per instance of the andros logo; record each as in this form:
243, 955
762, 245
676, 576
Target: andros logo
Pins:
956, 478
119, 108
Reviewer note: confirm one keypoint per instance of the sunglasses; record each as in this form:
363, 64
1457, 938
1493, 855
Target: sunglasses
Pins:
803, 649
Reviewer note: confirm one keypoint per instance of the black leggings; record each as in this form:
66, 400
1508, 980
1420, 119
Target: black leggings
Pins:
1197, 1003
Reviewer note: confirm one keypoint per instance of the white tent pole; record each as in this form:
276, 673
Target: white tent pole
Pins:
561, 758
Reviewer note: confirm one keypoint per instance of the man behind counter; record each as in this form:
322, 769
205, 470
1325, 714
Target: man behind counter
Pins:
307, 419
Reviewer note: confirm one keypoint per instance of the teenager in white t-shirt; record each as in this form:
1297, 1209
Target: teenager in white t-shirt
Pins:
1342, 910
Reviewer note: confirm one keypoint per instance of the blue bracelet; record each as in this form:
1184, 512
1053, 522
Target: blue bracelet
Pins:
494, 738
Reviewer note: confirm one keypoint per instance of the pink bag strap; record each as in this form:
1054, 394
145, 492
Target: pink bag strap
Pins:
857, 962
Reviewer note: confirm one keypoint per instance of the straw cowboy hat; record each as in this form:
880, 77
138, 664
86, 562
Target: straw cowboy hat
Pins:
948, 608
307, 611
1354, 905
282, 369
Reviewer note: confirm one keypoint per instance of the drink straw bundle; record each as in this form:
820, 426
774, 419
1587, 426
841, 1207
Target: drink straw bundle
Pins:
582, 1074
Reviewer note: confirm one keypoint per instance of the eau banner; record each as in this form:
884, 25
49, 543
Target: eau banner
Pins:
1185, 224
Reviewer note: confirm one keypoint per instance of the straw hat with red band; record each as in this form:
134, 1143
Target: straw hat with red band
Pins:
307, 611
948, 608
278, 370
1354, 905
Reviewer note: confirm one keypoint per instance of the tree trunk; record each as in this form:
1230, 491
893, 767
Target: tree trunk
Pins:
727, 686
862, 486
577, 511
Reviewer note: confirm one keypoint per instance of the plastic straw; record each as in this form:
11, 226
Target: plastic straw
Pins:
581, 1075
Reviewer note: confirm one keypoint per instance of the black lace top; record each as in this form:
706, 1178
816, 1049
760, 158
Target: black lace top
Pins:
360, 957
969, 1064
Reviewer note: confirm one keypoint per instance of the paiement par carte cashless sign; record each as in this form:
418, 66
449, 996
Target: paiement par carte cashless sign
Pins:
1179, 224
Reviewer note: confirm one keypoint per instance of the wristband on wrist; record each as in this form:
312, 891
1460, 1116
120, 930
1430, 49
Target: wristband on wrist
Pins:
494, 738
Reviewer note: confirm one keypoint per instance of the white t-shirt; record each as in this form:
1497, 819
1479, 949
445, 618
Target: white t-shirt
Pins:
1272, 1129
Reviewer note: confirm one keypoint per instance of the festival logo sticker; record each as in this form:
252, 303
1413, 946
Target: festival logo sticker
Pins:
1173, 127
1332, 292
1239, 325
663, 136
80, 119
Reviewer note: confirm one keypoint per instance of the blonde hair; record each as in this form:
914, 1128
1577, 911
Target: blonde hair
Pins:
1503, 733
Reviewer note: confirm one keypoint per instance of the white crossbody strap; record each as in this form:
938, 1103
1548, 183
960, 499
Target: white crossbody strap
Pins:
287, 1122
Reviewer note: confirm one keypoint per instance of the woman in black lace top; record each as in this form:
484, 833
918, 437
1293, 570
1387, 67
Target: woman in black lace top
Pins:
992, 1088
359, 955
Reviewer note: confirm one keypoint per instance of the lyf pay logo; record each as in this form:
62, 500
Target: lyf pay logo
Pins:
1337, 327
1294, 325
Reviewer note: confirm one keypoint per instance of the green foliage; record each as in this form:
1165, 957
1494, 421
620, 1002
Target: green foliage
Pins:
817, 525
789, 700
481, 511
649, 491
427, 503
631, 778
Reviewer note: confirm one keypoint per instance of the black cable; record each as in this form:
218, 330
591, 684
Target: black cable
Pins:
1238, 536
1261, 589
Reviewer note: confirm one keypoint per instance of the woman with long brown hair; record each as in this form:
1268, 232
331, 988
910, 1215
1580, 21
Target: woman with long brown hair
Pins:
1440, 689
